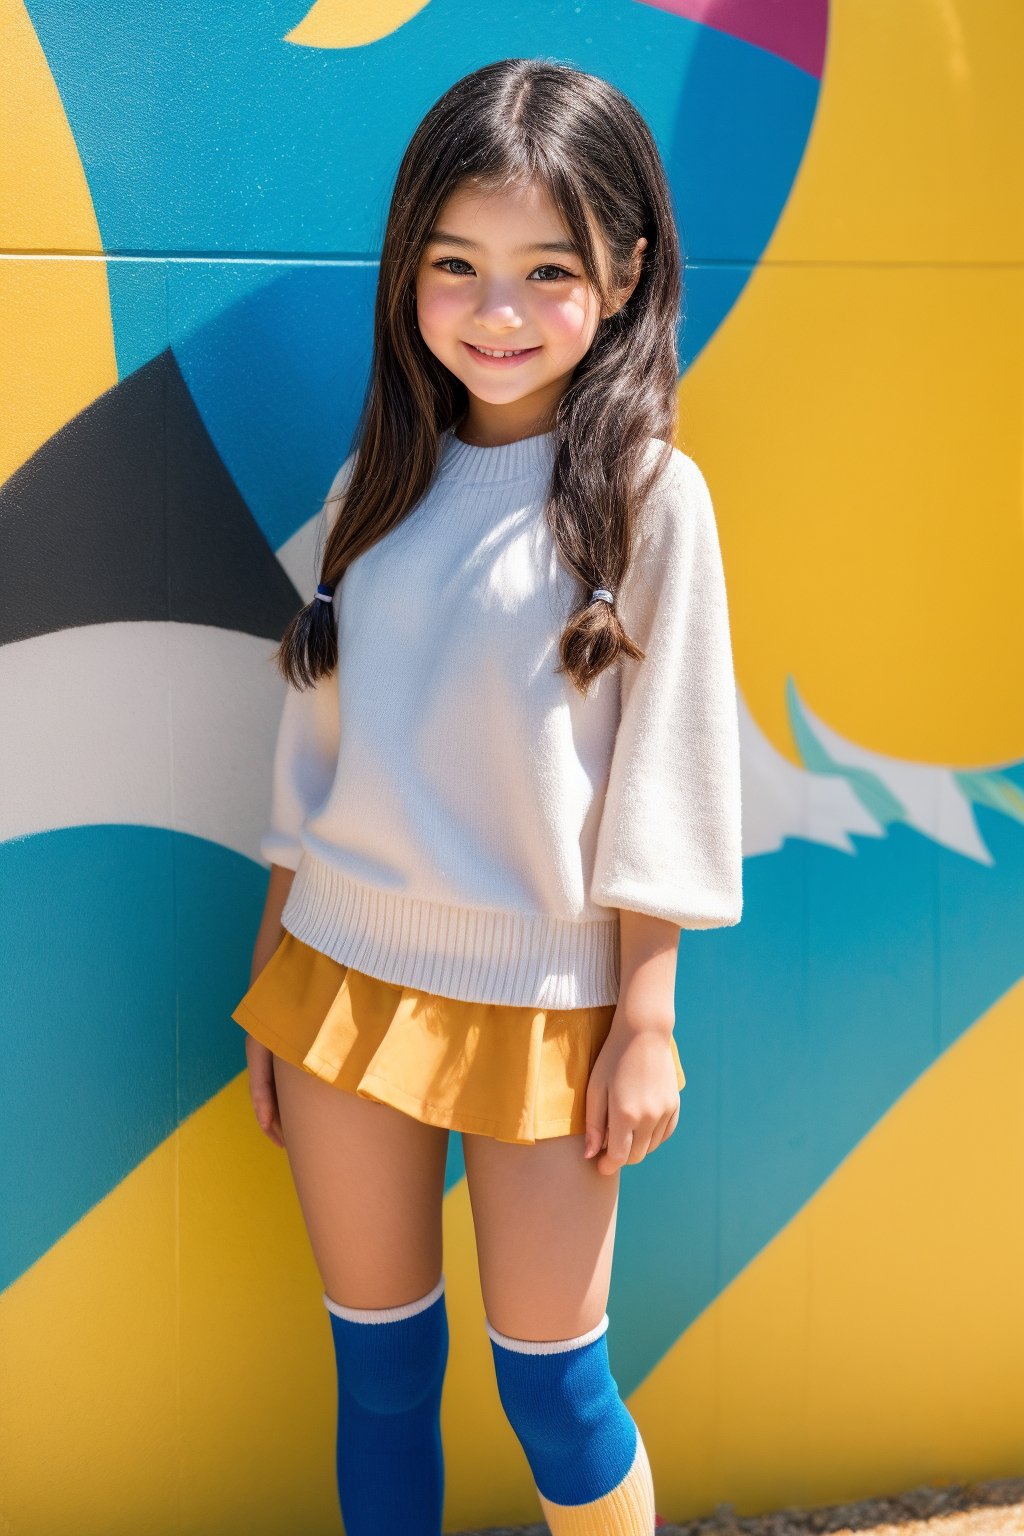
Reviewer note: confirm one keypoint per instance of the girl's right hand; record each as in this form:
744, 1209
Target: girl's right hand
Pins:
262, 1089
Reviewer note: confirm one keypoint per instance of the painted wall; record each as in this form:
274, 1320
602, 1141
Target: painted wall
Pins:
817, 1281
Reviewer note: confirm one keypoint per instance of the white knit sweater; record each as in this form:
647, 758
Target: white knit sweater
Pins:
460, 818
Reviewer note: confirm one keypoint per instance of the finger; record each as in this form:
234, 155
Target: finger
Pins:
597, 1119
278, 1128
620, 1141
266, 1111
671, 1122
642, 1139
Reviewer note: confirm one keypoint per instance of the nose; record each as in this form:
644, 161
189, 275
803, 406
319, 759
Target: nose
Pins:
498, 312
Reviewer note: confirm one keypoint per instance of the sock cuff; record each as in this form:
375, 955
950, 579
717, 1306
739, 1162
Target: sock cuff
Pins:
385, 1314
546, 1346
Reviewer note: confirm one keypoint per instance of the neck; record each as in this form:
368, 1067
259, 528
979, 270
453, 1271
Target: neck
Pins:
499, 434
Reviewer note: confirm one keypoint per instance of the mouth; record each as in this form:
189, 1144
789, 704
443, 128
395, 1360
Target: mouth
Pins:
500, 357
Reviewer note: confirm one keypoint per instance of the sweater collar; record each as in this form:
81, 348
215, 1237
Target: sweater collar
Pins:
521, 460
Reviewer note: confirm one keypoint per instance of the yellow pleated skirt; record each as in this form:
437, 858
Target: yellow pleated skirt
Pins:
519, 1074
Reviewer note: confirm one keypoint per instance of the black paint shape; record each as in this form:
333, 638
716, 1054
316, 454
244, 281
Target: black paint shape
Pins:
128, 513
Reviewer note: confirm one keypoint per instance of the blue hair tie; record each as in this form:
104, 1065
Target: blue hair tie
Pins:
603, 594
324, 593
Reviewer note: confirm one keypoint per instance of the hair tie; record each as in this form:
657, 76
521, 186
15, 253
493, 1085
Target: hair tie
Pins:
603, 593
324, 593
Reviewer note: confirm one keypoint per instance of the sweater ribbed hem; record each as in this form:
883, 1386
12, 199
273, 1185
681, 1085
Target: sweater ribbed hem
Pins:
478, 955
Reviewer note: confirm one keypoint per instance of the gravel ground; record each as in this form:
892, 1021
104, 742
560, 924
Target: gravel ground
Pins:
962, 1509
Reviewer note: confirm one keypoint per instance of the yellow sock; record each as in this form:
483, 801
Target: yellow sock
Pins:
627, 1510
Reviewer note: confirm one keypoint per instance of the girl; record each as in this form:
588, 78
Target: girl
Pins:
507, 775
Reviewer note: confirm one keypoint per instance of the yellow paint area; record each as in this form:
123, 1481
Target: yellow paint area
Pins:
58, 342
917, 143
858, 413
352, 23
89, 1353
875, 1343
175, 1347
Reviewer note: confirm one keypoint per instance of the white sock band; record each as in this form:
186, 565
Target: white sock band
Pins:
546, 1346
384, 1314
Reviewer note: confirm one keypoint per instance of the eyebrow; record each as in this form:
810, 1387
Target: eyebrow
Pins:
442, 237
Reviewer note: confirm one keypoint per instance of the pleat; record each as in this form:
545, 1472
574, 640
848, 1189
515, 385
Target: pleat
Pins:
519, 1074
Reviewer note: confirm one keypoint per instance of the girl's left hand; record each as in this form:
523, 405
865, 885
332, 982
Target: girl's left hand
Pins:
633, 1098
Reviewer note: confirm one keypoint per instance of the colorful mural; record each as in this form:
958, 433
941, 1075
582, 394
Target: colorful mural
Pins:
817, 1280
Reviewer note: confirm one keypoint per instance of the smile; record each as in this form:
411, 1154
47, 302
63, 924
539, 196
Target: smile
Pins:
502, 357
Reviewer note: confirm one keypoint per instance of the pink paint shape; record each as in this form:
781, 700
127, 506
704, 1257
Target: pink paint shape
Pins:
794, 30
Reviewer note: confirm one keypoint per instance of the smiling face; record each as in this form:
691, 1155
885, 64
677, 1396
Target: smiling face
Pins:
499, 273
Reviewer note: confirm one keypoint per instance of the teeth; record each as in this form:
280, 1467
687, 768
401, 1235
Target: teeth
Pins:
491, 352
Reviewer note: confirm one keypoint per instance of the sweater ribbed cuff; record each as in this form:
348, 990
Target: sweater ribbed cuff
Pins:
475, 954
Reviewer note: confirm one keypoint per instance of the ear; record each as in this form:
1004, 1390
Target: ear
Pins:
635, 263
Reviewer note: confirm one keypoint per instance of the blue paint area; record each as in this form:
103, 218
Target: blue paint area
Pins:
731, 89
124, 950
287, 346
455, 1168
87, 939
293, 356
709, 293
848, 976
728, 93
137, 292
252, 144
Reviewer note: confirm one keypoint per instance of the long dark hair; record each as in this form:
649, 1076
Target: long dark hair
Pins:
517, 121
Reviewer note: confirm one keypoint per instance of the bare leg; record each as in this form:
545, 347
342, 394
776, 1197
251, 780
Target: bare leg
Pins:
370, 1181
545, 1228
545, 1233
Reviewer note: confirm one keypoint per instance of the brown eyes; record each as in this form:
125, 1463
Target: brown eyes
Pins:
445, 263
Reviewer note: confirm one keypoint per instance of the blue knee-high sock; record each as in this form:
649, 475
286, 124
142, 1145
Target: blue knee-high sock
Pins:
589, 1463
391, 1365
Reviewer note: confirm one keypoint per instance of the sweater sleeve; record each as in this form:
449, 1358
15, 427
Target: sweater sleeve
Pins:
669, 841
308, 735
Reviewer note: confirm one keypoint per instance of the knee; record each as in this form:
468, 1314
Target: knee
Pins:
561, 1399
393, 1359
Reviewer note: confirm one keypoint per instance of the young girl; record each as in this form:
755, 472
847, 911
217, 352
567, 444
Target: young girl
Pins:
507, 775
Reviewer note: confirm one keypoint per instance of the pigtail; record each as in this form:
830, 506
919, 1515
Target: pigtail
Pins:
309, 646
593, 638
